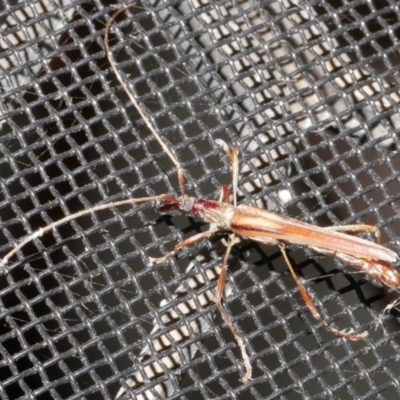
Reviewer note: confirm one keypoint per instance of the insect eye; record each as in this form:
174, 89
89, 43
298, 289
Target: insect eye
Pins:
186, 205
168, 205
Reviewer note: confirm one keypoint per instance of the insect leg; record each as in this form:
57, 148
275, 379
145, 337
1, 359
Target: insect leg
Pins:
225, 316
311, 305
357, 229
184, 243
361, 229
233, 155
224, 197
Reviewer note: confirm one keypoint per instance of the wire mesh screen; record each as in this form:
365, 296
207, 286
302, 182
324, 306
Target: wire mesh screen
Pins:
309, 93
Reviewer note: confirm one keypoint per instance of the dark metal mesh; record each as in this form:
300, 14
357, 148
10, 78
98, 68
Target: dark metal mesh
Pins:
309, 92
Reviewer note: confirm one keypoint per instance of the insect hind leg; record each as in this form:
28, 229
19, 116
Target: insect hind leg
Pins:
357, 229
311, 305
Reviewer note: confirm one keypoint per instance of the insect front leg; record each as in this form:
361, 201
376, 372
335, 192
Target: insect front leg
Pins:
185, 243
233, 155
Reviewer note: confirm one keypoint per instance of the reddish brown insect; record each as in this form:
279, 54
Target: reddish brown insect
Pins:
255, 224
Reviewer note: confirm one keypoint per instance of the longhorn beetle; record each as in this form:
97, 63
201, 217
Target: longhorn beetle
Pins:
253, 223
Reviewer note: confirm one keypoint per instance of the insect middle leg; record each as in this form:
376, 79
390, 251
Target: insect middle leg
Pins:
379, 271
218, 301
362, 229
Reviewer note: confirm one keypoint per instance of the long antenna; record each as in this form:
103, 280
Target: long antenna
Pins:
133, 100
71, 217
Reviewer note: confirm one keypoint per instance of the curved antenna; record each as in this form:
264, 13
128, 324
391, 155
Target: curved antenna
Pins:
38, 233
133, 100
